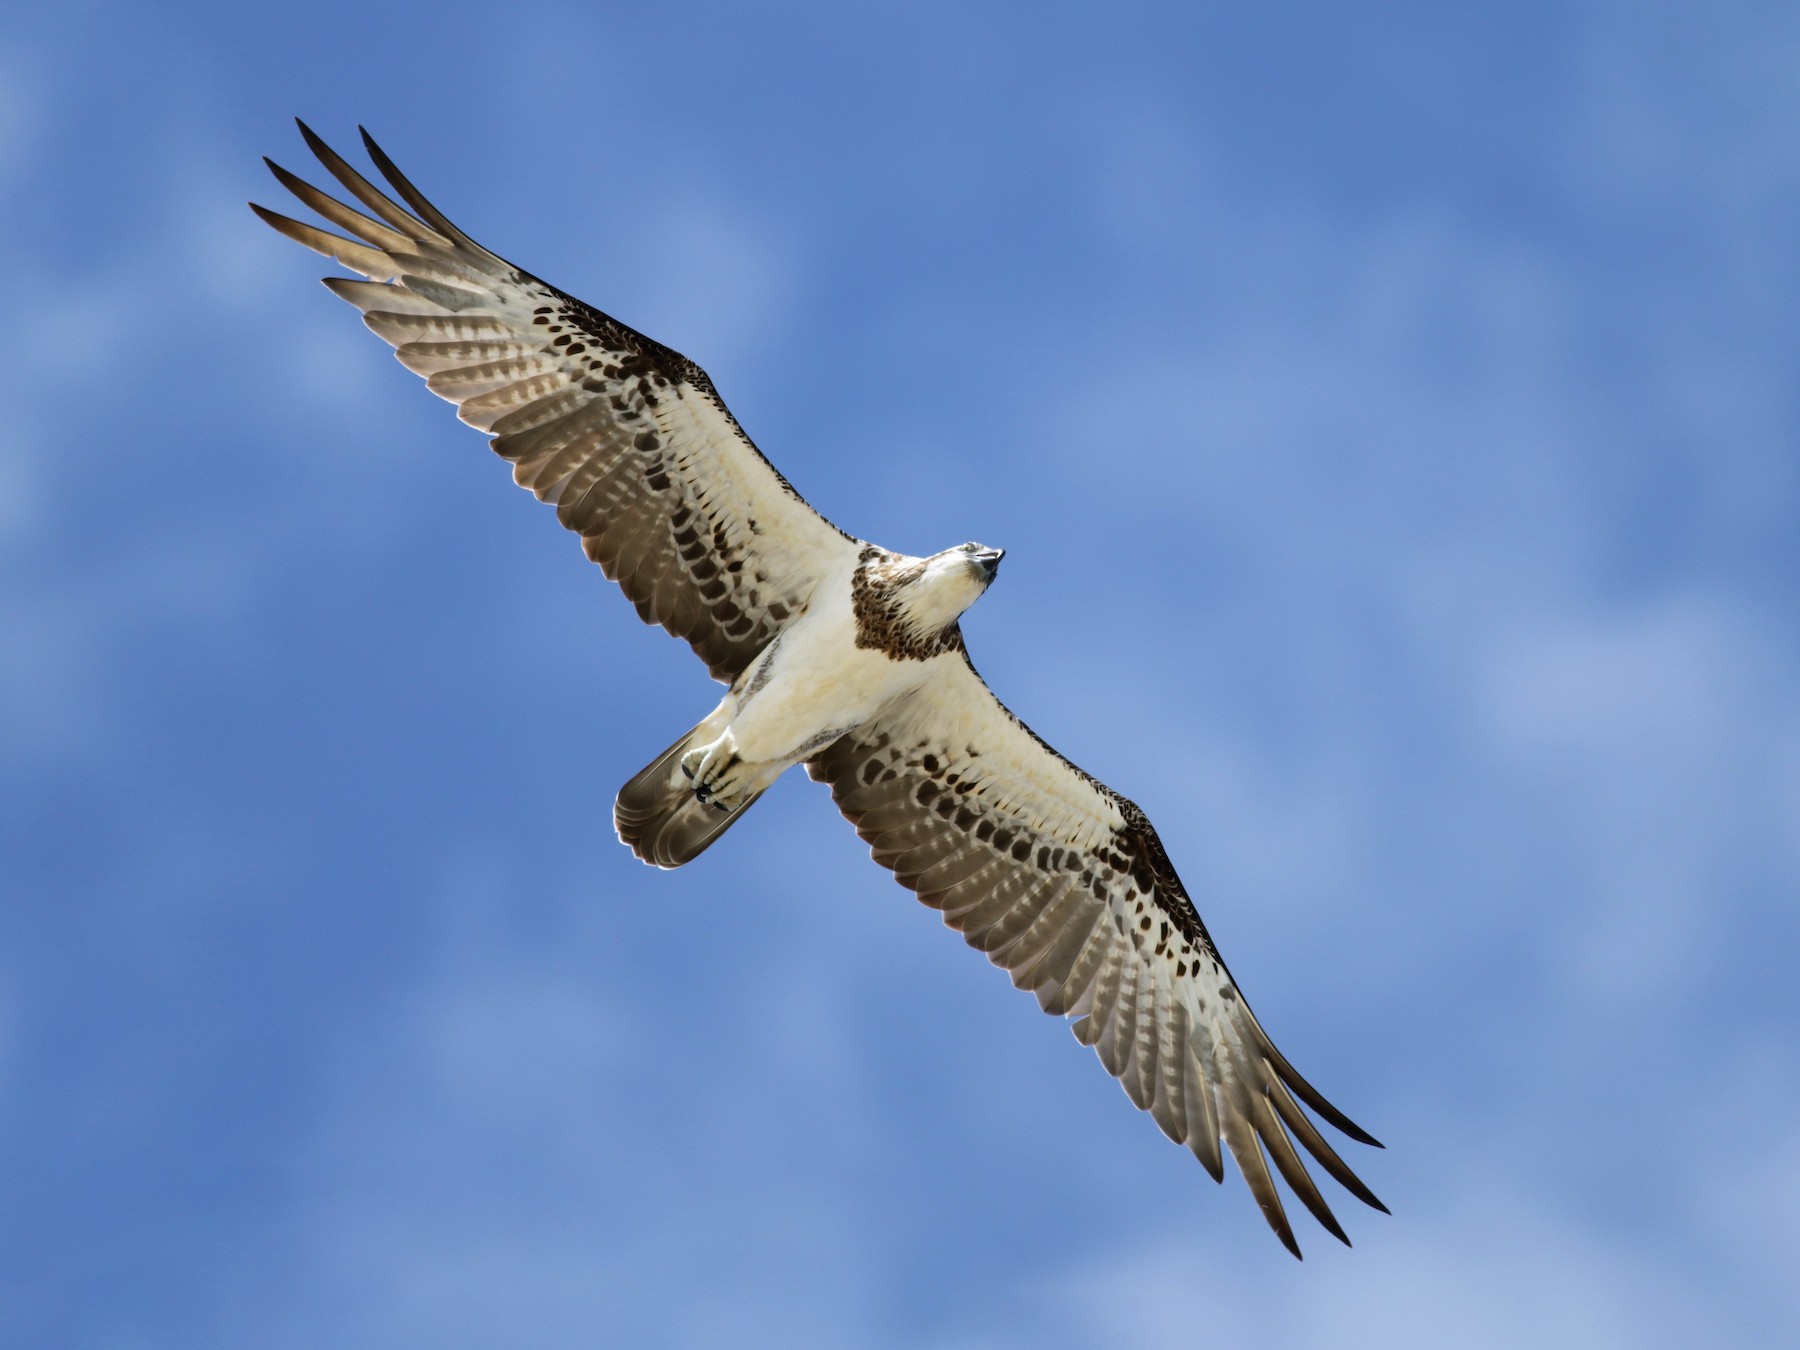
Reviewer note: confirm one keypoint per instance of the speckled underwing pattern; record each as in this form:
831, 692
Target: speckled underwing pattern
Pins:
625, 437
1064, 884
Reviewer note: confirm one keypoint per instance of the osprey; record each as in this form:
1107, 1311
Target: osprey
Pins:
838, 655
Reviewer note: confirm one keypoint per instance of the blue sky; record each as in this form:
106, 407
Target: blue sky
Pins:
1391, 419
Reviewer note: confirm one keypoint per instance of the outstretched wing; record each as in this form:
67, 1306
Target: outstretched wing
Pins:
1063, 882
627, 438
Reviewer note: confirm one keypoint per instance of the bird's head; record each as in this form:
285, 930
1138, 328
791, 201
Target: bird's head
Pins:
909, 606
937, 594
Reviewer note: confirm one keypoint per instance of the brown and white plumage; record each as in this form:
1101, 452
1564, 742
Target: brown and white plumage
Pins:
1064, 884
840, 656
627, 438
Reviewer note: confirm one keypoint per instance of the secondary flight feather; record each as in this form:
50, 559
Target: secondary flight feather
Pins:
838, 655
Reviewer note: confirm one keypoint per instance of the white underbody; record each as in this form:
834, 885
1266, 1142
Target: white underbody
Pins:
811, 685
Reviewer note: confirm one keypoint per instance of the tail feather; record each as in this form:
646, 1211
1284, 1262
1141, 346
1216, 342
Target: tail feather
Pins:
660, 817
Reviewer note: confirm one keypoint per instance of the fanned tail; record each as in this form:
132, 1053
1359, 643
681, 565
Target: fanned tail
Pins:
661, 818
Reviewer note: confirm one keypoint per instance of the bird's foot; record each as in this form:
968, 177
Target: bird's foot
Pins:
717, 773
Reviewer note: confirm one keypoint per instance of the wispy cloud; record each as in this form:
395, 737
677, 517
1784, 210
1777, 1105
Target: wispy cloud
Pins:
1416, 545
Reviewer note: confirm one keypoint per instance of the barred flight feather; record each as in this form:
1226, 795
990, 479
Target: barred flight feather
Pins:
552, 358
1064, 883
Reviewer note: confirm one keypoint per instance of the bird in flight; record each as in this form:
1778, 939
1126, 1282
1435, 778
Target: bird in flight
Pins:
839, 655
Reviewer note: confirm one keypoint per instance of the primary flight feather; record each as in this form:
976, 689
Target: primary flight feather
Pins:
841, 656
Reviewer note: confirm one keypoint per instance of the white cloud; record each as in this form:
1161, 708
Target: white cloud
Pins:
1486, 1267
22, 112
1421, 726
1661, 737
125, 363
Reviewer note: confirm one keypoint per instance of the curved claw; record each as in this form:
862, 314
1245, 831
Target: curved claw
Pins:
717, 773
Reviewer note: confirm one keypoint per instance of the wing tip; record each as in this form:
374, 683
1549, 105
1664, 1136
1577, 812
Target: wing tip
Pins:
283, 176
1288, 1074
1335, 1228
315, 143
1213, 1158
273, 219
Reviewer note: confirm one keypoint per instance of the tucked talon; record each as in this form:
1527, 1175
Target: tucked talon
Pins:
696, 763
717, 773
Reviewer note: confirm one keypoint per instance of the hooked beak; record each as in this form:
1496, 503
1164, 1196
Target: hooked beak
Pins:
988, 560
